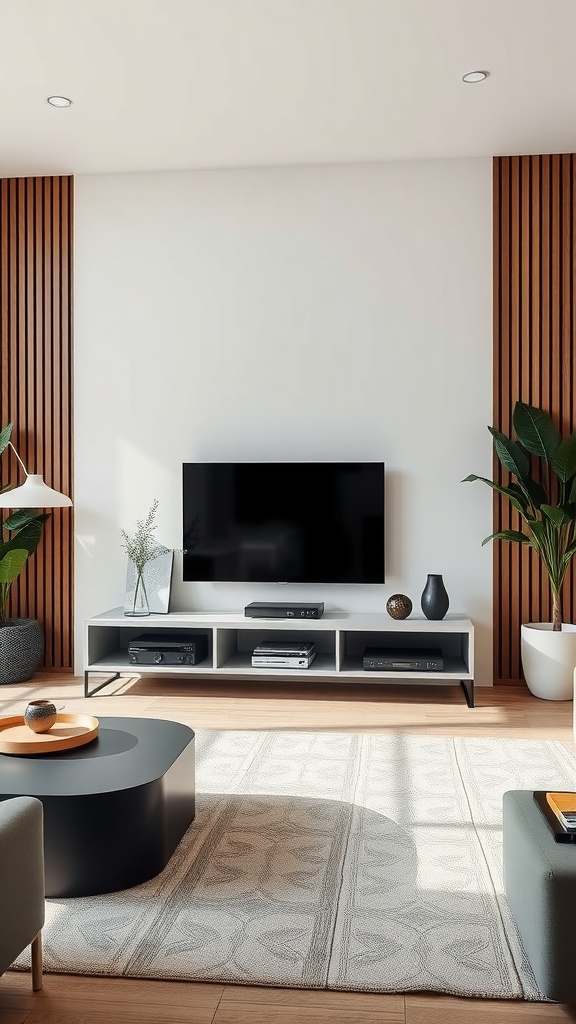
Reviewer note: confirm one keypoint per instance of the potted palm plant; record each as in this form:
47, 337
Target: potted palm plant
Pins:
542, 490
21, 639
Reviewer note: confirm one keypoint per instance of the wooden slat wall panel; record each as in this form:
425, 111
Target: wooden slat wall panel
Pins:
36, 385
534, 360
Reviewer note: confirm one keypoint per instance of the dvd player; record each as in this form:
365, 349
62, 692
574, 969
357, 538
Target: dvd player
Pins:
285, 648
284, 610
402, 659
270, 661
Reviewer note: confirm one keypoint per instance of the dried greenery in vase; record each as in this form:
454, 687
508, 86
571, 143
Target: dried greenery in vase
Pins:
142, 548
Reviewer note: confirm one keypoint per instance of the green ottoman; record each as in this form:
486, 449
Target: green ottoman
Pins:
540, 886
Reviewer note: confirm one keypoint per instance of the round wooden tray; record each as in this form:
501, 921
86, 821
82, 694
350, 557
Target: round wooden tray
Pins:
68, 731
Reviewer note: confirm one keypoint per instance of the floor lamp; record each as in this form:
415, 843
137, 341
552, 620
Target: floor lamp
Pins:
22, 639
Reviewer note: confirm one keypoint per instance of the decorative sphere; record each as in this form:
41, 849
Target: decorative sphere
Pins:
399, 606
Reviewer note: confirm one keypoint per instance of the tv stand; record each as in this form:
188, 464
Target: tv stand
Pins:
340, 640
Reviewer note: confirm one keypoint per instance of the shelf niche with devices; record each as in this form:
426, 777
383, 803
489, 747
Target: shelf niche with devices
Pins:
340, 641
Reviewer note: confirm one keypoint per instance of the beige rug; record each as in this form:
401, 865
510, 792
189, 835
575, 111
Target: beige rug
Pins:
328, 860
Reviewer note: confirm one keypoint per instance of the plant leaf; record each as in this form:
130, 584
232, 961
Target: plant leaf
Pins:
5, 437
12, 564
570, 509
510, 454
23, 516
513, 535
538, 528
536, 431
564, 459
29, 536
569, 553
556, 515
513, 493
537, 494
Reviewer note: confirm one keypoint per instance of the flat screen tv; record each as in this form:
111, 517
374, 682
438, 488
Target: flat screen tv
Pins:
284, 522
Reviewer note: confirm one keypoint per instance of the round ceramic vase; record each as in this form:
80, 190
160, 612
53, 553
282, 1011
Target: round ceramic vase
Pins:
40, 715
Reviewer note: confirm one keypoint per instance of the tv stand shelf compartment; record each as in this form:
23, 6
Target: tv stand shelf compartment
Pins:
340, 640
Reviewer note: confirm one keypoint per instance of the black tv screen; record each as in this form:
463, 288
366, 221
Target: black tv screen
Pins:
284, 522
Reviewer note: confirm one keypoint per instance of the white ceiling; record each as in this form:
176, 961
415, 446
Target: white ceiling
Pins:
172, 84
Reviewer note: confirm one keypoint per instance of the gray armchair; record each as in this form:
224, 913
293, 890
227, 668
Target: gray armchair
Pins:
21, 882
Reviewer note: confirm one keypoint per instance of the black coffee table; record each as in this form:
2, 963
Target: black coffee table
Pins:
114, 810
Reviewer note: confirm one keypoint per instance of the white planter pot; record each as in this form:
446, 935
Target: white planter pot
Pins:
549, 659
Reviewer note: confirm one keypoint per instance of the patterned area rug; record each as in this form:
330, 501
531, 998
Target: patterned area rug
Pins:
328, 860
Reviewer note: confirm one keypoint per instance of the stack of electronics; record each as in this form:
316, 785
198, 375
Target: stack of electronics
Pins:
284, 654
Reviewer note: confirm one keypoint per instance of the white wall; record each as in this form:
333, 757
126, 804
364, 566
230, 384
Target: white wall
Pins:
338, 313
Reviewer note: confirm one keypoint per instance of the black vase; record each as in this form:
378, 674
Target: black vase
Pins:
434, 601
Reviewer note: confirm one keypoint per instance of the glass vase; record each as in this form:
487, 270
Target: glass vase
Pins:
139, 605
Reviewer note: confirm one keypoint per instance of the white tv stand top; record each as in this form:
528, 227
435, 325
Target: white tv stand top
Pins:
454, 622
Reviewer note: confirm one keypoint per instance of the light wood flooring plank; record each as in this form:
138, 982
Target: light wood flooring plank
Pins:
432, 1009
90, 1012
13, 1016
15, 985
258, 1013
380, 1002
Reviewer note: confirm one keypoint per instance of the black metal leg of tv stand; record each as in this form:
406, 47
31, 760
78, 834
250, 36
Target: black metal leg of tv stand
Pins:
468, 687
90, 693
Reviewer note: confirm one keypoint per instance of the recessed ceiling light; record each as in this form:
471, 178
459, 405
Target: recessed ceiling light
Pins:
475, 76
59, 101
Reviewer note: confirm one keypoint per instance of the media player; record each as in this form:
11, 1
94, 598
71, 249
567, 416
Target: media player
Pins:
284, 610
402, 659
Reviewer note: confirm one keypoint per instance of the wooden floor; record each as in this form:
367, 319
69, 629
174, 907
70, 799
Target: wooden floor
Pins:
501, 711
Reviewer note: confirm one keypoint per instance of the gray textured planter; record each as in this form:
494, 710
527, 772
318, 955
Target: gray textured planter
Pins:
21, 649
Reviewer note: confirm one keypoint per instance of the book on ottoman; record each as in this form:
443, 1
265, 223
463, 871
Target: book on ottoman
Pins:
559, 809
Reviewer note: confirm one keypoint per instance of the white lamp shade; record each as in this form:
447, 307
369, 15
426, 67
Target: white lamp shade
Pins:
33, 493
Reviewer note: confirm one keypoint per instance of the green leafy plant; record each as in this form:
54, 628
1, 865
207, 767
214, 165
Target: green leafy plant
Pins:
543, 493
25, 528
